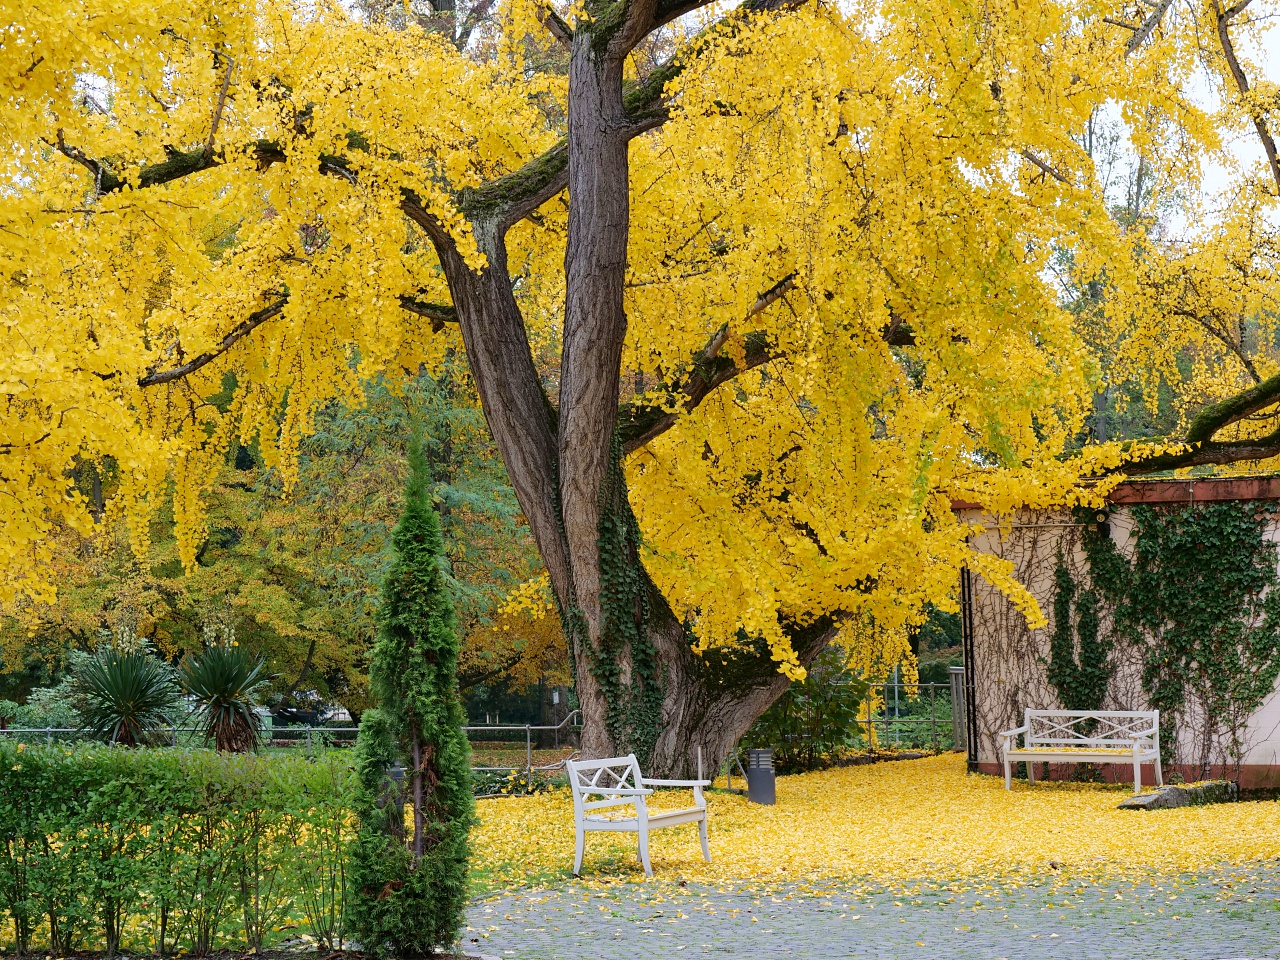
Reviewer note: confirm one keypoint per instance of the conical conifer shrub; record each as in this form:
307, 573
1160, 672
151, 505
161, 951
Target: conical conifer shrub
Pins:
409, 864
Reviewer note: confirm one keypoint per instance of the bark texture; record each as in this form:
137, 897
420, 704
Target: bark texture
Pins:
640, 686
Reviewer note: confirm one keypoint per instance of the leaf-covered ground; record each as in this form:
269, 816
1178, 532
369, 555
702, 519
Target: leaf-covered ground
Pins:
890, 823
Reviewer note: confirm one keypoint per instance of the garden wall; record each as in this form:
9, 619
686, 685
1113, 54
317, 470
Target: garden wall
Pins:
1235, 736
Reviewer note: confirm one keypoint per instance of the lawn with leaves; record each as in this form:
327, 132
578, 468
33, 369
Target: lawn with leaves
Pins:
888, 823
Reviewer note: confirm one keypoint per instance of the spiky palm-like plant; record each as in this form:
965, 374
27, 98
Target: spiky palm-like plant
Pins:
225, 682
126, 696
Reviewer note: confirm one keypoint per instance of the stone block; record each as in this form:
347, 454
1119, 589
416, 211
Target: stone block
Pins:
1191, 795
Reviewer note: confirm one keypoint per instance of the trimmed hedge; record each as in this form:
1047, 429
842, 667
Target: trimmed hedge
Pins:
165, 851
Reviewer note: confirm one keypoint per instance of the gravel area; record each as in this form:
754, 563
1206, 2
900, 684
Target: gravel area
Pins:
1208, 917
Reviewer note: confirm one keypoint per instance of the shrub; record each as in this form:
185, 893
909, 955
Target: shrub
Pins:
516, 783
168, 850
225, 682
814, 719
127, 696
409, 886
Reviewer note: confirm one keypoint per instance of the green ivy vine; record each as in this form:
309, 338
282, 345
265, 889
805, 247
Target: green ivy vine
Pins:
1080, 667
1198, 599
634, 717
624, 661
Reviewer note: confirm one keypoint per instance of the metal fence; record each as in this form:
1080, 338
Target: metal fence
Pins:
570, 724
900, 703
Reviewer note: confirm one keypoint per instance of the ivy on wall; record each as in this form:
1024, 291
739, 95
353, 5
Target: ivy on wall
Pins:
1079, 660
1197, 600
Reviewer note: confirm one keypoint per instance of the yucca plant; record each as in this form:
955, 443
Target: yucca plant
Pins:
225, 682
125, 697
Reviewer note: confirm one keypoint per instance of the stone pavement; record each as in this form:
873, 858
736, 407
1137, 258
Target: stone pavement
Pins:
1218, 917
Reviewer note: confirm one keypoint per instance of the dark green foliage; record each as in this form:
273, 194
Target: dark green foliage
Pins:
1079, 672
225, 682
1200, 598
940, 631
166, 851
815, 719
126, 696
409, 884
634, 718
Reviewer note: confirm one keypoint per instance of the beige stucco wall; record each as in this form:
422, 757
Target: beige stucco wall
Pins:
1011, 660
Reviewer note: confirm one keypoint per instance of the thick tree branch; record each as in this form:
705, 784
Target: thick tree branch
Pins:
1213, 453
1204, 450
555, 25
438, 313
510, 198
1232, 410
178, 165
640, 423
238, 333
1147, 27
1242, 83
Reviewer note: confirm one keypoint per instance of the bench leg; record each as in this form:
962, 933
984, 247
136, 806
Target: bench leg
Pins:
1008, 773
644, 851
1031, 773
1137, 776
702, 835
577, 852
1159, 772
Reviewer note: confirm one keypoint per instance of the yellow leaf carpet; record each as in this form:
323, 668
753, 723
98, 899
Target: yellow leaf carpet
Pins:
892, 824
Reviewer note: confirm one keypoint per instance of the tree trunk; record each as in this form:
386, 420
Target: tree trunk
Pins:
640, 686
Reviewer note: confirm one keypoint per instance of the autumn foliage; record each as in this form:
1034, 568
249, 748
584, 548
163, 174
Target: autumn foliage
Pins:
846, 264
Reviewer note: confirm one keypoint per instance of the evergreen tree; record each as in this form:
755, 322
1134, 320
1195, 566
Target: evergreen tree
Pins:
409, 878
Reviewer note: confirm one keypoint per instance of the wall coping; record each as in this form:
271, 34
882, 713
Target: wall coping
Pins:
1180, 490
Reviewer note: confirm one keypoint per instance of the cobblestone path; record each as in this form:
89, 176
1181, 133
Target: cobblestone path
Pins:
1219, 917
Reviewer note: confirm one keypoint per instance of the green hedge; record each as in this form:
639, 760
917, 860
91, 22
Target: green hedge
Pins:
168, 851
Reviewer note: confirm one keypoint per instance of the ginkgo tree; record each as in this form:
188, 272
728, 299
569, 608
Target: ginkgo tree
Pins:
749, 293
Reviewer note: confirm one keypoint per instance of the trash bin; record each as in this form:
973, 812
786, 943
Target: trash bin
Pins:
760, 781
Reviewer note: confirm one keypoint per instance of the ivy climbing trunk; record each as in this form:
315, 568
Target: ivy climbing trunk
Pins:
640, 687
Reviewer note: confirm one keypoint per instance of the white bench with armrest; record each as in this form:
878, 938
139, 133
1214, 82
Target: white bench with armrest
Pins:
618, 783
1085, 736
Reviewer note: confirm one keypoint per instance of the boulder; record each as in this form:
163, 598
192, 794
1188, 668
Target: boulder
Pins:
1190, 795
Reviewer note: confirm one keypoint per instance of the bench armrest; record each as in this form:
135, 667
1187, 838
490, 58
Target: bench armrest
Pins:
675, 783
1013, 734
617, 791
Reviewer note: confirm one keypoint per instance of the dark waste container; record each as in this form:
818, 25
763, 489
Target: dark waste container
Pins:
760, 782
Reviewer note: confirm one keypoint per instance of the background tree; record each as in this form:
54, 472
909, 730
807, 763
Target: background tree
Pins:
295, 580
794, 301
409, 888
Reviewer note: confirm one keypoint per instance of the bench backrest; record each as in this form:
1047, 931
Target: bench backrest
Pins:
622, 772
1091, 728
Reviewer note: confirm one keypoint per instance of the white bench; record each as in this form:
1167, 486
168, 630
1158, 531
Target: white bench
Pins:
1085, 736
617, 782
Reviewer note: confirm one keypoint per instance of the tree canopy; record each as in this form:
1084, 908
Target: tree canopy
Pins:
814, 271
